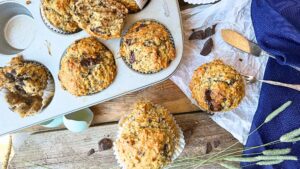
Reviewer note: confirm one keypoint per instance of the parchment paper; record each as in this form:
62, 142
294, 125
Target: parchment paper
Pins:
235, 15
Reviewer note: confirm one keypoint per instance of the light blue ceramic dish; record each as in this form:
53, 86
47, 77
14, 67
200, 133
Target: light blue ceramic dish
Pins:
78, 121
53, 123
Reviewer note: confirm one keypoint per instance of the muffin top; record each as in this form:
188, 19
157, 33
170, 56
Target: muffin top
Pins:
100, 18
131, 5
217, 87
148, 47
148, 137
87, 67
24, 77
57, 12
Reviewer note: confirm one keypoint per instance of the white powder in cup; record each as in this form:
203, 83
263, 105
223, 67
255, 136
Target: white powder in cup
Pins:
19, 31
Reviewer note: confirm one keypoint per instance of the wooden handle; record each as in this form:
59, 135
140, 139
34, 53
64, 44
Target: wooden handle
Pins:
291, 86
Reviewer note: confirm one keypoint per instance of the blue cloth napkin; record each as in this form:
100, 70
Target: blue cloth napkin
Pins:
277, 28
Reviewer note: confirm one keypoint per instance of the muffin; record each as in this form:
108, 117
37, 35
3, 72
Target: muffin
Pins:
87, 67
26, 85
217, 87
148, 47
131, 5
57, 13
148, 137
103, 19
25, 78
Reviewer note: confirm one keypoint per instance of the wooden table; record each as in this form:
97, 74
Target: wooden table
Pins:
59, 148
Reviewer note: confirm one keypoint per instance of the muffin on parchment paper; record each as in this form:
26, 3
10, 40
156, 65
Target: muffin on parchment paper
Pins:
58, 14
103, 19
148, 47
148, 138
28, 86
217, 87
87, 67
131, 5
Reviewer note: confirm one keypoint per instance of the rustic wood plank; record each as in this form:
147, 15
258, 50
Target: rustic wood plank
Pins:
63, 149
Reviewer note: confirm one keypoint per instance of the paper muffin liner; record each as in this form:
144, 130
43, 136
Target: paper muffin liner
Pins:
48, 92
201, 2
52, 27
126, 31
179, 147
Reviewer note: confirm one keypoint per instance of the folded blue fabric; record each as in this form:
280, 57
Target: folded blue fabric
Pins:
277, 28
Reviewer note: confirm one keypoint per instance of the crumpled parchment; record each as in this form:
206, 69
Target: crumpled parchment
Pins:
234, 15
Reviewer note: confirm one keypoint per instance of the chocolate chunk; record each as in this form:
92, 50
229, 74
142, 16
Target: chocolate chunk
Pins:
11, 78
208, 99
198, 35
128, 41
20, 90
208, 148
91, 151
89, 61
105, 144
166, 150
240, 59
207, 48
140, 26
132, 57
203, 34
210, 31
217, 143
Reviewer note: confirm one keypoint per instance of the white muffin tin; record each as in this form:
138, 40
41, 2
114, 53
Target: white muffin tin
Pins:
165, 11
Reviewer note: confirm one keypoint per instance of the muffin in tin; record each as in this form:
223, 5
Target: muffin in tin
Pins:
148, 47
148, 137
28, 85
26, 78
58, 14
103, 19
87, 67
131, 5
217, 87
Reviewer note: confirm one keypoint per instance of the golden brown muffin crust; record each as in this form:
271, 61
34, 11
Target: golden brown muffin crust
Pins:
103, 19
148, 47
217, 87
148, 137
131, 5
57, 12
87, 67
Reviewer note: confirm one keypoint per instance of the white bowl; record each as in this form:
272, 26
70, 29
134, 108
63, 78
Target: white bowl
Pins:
78, 121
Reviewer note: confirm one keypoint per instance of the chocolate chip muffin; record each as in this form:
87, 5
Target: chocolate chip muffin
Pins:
25, 78
131, 5
57, 13
87, 67
103, 19
148, 47
148, 137
25, 83
217, 87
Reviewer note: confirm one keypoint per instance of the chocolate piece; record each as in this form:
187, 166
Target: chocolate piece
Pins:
198, 35
91, 151
105, 144
132, 57
208, 99
89, 61
207, 48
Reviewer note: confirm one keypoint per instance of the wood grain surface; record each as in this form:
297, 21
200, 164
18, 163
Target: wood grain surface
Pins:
63, 149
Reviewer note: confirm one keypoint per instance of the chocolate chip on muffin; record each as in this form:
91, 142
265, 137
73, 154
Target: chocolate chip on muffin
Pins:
148, 47
217, 87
